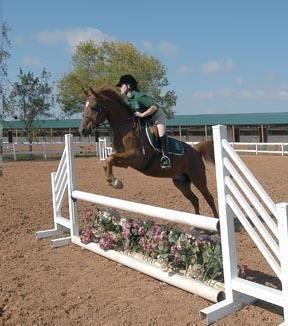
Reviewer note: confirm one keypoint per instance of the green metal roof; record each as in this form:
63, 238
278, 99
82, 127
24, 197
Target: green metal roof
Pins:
229, 119
177, 120
44, 124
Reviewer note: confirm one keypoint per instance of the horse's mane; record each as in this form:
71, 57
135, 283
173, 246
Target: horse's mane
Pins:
115, 97
111, 94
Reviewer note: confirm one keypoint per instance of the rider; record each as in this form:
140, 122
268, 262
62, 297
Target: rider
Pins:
144, 107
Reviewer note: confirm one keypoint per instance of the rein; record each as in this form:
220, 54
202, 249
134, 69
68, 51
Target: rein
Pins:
138, 125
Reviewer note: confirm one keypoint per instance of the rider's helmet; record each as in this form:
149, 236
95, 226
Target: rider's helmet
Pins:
128, 80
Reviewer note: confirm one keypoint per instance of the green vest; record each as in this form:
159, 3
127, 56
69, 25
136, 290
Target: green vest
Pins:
138, 101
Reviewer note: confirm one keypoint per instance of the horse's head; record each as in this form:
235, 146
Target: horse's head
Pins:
94, 112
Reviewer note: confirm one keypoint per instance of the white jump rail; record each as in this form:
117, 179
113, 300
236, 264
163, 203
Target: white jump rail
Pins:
235, 200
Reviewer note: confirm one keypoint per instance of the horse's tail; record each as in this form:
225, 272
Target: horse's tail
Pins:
206, 148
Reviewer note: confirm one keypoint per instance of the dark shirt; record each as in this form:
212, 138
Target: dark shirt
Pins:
138, 101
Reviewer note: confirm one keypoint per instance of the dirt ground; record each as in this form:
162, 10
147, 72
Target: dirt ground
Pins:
70, 286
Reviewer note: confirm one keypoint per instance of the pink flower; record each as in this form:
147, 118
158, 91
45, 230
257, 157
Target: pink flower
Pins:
176, 254
106, 242
147, 247
157, 232
141, 231
126, 230
87, 235
203, 240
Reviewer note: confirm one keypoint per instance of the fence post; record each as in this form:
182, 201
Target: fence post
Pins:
44, 150
74, 226
282, 209
225, 215
14, 151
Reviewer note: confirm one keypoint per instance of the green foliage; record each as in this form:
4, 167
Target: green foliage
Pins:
30, 98
199, 257
4, 55
102, 65
4, 50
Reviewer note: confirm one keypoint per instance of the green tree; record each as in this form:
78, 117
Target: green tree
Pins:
102, 65
31, 98
4, 55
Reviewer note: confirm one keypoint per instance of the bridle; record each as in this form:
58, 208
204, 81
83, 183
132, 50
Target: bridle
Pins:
98, 108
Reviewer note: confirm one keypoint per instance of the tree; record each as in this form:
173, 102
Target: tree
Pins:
4, 55
30, 98
102, 65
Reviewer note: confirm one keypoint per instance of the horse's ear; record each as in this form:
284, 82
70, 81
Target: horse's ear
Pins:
85, 91
96, 94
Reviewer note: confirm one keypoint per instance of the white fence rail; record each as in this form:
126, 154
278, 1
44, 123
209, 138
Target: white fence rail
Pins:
261, 148
45, 150
251, 148
48, 149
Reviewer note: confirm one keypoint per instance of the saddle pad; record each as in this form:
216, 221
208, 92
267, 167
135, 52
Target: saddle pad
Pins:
175, 146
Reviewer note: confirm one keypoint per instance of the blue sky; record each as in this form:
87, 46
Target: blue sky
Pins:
221, 56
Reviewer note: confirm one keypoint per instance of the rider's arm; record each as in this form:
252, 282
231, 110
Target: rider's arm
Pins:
153, 108
146, 101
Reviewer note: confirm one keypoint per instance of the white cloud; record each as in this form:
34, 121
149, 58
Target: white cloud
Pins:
282, 94
214, 66
204, 95
239, 81
184, 70
271, 76
279, 93
32, 61
71, 37
221, 93
168, 48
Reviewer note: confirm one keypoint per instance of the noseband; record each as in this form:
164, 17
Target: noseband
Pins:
97, 108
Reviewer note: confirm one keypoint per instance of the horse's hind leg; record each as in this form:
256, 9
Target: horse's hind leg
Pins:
200, 182
183, 184
209, 198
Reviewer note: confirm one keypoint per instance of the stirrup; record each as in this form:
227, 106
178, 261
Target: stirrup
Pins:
165, 162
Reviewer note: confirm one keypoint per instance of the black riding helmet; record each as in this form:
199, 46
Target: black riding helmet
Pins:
128, 80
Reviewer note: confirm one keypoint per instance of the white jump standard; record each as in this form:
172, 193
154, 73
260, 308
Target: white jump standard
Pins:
231, 203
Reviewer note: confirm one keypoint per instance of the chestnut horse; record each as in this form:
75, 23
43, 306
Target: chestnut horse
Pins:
132, 148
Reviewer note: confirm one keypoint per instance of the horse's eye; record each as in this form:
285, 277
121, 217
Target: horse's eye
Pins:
96, 108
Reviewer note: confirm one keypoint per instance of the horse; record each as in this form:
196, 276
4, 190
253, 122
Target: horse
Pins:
133, 149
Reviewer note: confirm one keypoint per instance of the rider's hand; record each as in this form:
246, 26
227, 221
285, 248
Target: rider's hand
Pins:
138, 114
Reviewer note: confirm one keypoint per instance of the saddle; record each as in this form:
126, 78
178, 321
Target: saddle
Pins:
175, 147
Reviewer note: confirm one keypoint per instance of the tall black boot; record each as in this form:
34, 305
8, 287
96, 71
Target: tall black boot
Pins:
165, 160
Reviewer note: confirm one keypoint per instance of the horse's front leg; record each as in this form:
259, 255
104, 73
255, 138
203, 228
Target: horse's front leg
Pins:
110, 178
108, 167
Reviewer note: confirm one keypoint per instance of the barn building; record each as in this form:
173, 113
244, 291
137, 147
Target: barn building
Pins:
248, 127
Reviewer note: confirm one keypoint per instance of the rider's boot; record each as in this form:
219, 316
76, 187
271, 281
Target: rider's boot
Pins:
165, 160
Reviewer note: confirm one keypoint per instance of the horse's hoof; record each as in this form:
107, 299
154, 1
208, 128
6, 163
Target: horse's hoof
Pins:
117, 184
